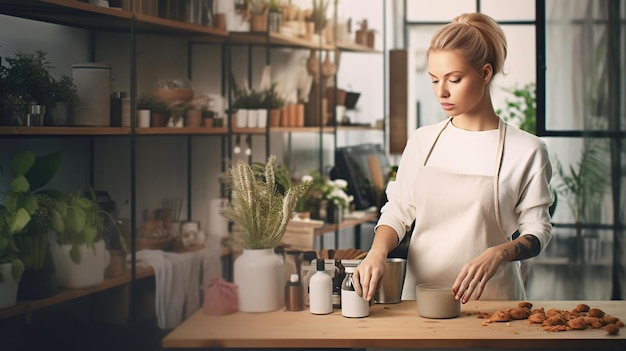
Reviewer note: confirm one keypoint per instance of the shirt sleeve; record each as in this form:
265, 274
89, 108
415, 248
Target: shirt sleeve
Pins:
535, 200
399, 211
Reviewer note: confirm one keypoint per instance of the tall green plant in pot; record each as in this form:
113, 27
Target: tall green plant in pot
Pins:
39, 278
15, 214
79, 252
261, 214
583, 185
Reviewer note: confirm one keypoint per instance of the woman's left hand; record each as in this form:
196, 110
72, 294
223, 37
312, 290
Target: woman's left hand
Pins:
475, 274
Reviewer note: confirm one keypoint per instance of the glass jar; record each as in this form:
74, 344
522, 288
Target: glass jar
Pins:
352, 305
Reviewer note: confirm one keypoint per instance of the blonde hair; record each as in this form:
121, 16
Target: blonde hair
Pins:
477, 37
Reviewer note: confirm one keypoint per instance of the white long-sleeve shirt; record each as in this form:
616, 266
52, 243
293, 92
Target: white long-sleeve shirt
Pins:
524, 192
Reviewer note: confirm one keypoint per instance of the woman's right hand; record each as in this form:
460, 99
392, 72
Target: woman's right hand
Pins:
369, 273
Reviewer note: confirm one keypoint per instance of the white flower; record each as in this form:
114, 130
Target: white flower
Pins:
340, 183
307, 178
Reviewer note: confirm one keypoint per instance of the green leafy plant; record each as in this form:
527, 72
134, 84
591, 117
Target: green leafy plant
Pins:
64, 90
318, 14
78, 220
281, 175
521, 109
29, 172
26, 78
271, 98
583, 185
152, 103
257, 206
257, 7
274, 5
313, 195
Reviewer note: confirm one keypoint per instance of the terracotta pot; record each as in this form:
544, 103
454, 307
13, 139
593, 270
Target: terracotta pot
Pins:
293, 115
284, 118
275, 117
193, 118
258, 23
158, 120
299, 120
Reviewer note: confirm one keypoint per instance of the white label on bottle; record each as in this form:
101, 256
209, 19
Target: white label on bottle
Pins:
353, 305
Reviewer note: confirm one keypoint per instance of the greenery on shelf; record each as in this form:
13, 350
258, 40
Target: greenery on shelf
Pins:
152, 103
272, 99
79, 220
64, 90
274, 5
282, 175
318, 14
29, 173
257, 206
26, 79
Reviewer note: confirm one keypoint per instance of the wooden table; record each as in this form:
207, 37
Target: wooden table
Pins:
394, 325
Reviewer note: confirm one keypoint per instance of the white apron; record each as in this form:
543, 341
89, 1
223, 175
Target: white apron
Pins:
457, 218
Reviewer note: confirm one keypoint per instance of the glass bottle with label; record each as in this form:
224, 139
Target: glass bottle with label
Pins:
352, 305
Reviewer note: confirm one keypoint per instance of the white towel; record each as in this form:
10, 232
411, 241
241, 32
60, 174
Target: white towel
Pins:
180, 279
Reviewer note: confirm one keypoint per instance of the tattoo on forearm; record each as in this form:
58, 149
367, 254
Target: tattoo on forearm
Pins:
523, 252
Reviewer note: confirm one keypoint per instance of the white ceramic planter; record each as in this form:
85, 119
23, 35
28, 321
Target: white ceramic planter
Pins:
8, 288
242, 118
88, 272
262, 118
259, 276
253, 118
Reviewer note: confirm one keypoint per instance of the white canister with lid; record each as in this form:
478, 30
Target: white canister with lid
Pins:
93, 85
352, 305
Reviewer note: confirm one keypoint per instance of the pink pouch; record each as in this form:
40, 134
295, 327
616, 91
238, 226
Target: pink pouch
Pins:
220, 297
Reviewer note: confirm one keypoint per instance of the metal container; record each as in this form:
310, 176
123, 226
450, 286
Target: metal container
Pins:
391, 286
93, 85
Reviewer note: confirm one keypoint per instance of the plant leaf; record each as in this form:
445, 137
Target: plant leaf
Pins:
22, 162
75, 254
44, 168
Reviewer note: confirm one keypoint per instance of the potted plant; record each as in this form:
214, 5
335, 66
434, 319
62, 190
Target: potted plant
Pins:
275, 15
274, 102
15, 214
258, 15
261, 214
65, 97
79, 251
25, 80
318, 15
151, 111
176, 112
583, 186
39, 278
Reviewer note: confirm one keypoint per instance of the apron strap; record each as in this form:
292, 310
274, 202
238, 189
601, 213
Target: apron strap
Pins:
432, 146
499, 157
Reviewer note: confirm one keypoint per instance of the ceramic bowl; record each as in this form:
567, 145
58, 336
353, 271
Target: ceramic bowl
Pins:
435, 300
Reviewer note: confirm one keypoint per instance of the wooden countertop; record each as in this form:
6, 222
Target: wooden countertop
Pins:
393, 325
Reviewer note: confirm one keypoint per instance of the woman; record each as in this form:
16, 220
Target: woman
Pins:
468, 182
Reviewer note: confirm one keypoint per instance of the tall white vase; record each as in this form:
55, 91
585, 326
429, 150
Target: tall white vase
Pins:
8, 287
259, 277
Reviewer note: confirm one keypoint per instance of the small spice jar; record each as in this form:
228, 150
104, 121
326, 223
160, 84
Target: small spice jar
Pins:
352, 305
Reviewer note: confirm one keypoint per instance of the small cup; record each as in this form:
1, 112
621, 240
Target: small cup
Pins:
435, 300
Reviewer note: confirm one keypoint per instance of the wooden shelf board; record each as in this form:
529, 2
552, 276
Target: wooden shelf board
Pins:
302, 129
22, 130
26, 306
85, 15
181, 131
349, 223
275, 39
351, 46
